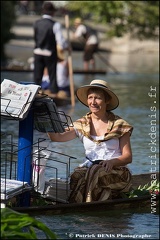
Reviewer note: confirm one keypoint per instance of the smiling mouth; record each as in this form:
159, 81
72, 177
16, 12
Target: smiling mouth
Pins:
94, 107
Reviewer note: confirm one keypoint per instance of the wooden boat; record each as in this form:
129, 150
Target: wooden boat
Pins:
137, 203
75, 71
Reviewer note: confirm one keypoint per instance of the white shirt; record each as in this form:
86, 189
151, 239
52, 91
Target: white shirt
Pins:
81, 29
103, 151
62, 74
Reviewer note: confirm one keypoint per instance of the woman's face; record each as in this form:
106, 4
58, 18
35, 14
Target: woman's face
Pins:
96, 100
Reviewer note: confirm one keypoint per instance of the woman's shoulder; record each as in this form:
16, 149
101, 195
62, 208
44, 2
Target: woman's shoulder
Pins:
114, 117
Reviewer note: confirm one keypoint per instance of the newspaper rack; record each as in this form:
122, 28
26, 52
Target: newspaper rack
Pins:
55, 188
47, 118
16, 99
51, 176
10, 114
10, 187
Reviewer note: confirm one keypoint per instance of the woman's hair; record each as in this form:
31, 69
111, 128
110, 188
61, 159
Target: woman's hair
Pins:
96, 90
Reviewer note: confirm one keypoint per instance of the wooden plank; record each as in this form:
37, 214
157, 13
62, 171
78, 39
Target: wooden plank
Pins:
132, 203
75, 71
143, 179
96, 71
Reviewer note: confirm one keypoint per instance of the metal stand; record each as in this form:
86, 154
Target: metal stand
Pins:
25, 144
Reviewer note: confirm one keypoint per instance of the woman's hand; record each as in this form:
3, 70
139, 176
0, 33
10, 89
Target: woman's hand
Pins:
107, 164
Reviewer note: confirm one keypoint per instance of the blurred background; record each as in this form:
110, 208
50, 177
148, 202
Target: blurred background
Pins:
122, 26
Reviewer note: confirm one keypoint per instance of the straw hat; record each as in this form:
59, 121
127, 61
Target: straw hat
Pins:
81, 93
60, 53
77, 21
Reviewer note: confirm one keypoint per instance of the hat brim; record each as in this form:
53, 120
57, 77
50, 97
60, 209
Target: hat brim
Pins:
81, 94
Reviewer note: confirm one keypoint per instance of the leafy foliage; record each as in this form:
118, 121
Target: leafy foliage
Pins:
16, 225
147, 189
139, 18
7, 20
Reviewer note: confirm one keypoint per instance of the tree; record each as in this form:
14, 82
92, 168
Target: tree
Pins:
7, 21
138, 18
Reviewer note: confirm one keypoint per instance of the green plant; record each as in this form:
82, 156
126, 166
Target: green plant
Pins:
16, 225
147, 189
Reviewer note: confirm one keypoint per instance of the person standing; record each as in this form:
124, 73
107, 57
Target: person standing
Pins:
47, 34
89, 36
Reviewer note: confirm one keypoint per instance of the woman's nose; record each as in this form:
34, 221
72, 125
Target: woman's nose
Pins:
93, 100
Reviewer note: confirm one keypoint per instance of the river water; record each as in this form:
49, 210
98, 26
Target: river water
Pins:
137, 87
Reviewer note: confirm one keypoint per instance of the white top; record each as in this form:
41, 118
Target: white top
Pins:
81, 29
62, 74
103, 151
57, 30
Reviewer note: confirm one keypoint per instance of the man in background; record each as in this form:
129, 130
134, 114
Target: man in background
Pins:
89, 36
47, 34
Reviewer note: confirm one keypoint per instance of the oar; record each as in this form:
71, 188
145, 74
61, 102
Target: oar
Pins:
70, 63
107, 62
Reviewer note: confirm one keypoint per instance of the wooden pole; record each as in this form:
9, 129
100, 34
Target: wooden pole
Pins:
70, 63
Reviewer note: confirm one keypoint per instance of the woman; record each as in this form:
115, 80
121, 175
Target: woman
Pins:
106, 140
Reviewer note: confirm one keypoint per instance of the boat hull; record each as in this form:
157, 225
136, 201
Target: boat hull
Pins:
116, 204
146, 202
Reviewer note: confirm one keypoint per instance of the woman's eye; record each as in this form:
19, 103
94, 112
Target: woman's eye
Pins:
89, 97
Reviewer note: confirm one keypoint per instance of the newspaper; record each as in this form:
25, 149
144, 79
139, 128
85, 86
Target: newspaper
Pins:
16, 98
11, 188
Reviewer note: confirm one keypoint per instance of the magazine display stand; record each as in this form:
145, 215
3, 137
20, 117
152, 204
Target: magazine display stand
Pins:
21, 161
16, 99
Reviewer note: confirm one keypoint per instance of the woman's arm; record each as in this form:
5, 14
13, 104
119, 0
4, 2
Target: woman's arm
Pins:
62, 137
126, 156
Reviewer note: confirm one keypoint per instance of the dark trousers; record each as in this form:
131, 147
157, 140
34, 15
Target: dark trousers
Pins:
40, 62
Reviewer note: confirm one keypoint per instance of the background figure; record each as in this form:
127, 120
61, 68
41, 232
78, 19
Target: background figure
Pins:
62, 75
91, 42
23, 7
47, 33
45, 80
